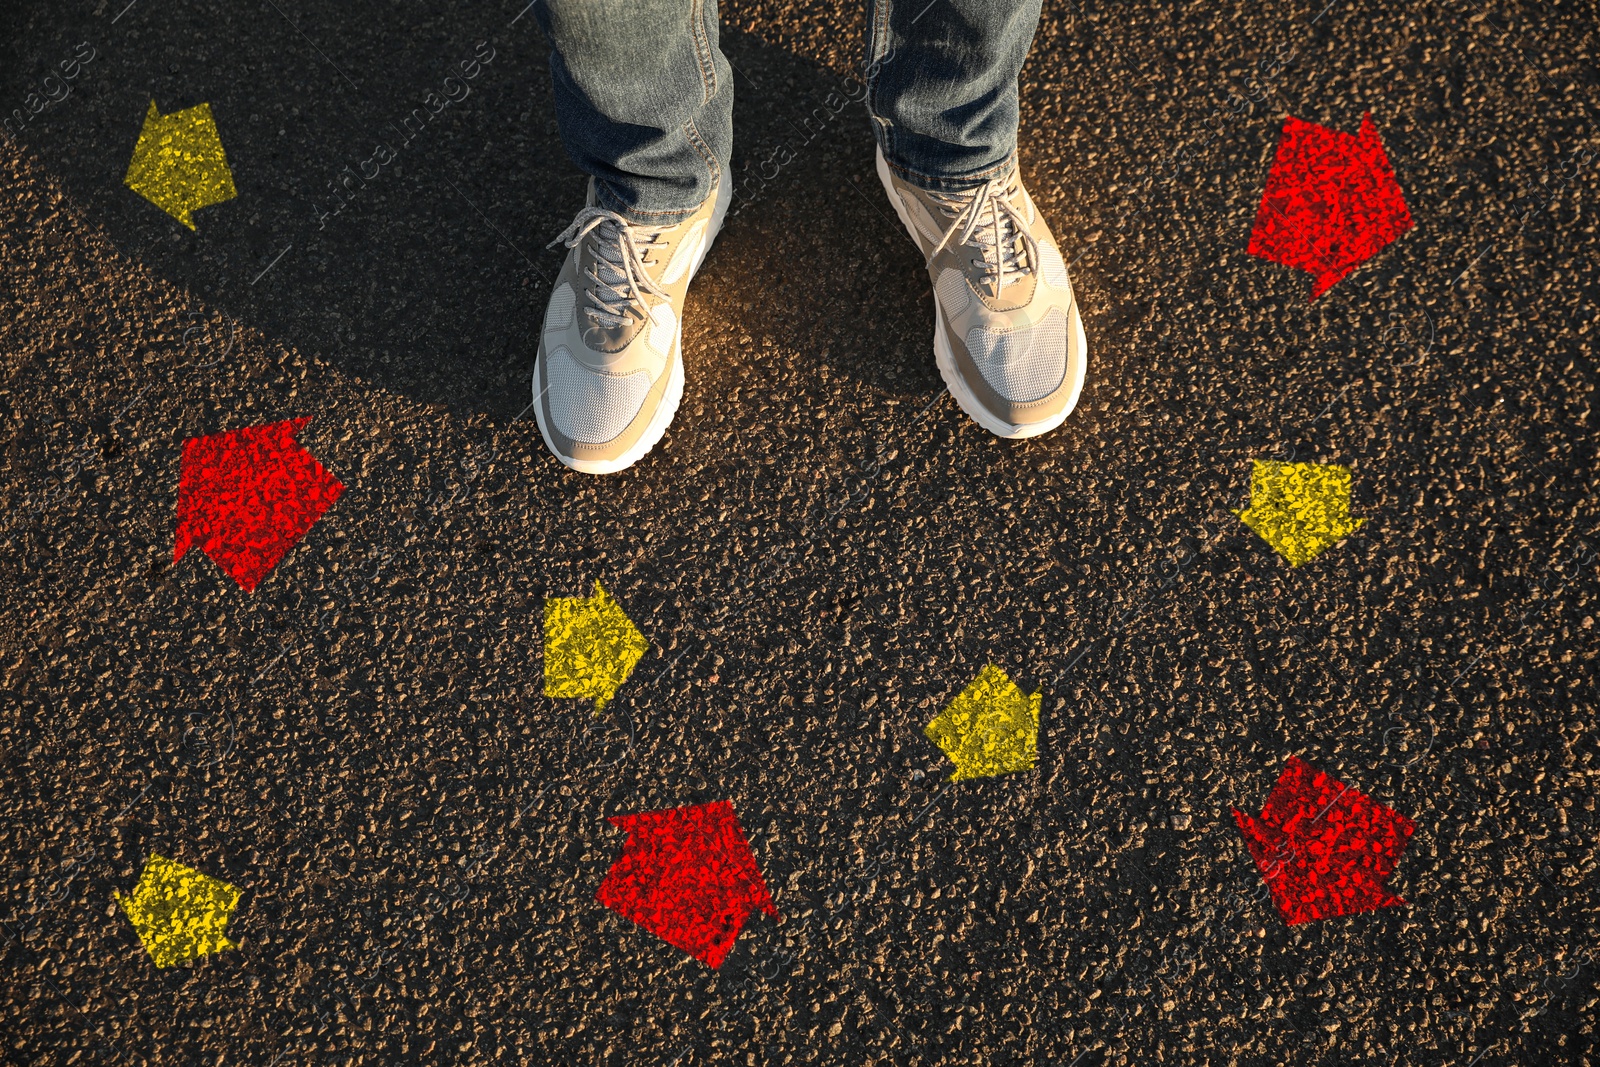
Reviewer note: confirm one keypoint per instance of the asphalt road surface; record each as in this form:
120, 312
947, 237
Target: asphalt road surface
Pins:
820, 556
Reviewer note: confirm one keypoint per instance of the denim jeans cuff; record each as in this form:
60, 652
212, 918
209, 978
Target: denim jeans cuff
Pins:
948, 183
640, 218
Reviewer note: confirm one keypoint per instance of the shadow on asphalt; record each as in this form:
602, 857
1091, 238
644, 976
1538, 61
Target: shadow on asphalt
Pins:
427, 276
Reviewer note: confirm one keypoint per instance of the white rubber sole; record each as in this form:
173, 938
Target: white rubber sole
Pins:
668, 408
1078, 342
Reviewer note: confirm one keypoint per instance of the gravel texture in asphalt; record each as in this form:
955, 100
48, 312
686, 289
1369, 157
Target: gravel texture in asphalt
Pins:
345, 814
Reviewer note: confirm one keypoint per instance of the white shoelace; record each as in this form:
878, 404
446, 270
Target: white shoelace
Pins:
618, 273
987, 213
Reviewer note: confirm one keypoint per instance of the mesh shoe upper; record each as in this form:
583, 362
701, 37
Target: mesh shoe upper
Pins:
1013, 329
1024, 364
589, 406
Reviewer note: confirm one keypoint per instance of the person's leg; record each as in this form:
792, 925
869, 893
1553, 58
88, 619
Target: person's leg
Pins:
942, 93
942, 86
644, 100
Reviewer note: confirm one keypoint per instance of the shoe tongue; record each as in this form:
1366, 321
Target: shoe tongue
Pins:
619, 300
606, 240
984, 234
608, 254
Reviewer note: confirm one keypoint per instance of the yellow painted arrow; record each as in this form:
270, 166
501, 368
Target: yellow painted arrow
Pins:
178, 164
590, 647
1300, 509
178, 912
990, 728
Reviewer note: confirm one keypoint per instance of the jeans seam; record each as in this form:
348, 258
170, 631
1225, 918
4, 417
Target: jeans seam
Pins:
881, 34
702, 49
693, 133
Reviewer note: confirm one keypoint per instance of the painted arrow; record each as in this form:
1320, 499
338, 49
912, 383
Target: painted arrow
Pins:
247, 496
687, 876
590, 647
1324, 849
1300, 509
991, 727
178, 912
178, 164
1331, 202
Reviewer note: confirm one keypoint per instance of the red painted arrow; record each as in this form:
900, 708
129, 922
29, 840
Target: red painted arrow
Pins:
245, 497
1324, 849
687, 876
1331, 202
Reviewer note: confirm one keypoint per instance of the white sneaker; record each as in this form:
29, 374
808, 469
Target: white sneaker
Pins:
609, 373
1008, 338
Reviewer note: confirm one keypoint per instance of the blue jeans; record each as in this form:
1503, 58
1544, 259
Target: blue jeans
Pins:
644, 97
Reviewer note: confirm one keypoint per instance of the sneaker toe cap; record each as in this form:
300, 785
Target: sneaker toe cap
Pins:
1024, 364
591, 407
